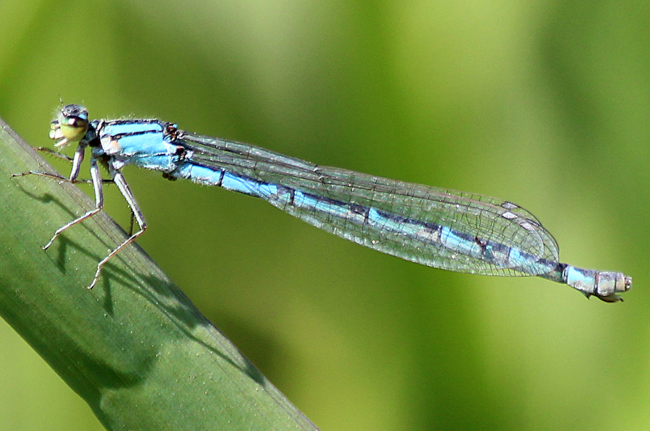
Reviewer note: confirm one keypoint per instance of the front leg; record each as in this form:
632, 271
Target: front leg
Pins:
99, 200
54, 153
74, 172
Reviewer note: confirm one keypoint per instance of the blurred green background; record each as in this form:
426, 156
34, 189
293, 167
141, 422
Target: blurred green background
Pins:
543, 103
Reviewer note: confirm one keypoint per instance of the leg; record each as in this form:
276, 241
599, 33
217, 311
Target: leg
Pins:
58, 177
99, 200
121, 183
76, 165
42, 174
56, 154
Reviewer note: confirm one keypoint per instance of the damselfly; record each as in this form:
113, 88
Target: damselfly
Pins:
446, 229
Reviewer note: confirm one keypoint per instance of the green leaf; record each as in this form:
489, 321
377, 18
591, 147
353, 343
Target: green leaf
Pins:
135, 348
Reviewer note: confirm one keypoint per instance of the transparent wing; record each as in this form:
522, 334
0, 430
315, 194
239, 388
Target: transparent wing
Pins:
344, 196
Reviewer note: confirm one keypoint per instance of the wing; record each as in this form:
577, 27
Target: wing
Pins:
441, 228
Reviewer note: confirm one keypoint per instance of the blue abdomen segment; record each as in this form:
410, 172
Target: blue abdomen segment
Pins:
222, 178
603, 284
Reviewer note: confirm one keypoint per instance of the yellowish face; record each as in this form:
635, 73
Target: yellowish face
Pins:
70, 126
